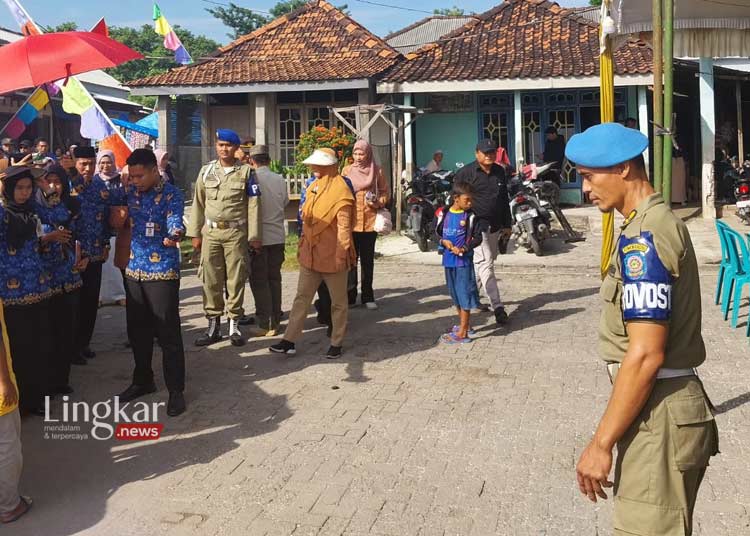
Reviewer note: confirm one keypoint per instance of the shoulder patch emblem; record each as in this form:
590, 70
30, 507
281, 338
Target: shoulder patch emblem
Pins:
635, 265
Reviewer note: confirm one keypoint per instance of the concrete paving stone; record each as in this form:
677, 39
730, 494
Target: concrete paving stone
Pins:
473, 441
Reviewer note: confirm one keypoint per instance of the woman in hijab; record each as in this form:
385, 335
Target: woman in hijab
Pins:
112, 289
326, 251
60, 213
25, 286
165, 170
371, 194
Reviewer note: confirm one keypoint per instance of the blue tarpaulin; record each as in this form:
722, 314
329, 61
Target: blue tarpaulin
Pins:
148, 125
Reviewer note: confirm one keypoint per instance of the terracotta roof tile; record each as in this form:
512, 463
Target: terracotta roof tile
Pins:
518, 39
315, 42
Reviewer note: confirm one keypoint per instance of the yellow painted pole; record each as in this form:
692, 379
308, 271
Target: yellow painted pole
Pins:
607, 107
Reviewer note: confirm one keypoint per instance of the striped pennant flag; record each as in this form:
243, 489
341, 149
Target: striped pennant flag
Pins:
171, 41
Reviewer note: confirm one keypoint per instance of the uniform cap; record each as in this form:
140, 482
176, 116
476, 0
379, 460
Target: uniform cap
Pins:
258, 150
19, 172
7, 141
229, 136
321, 158
605, 145
25, 143
487, 146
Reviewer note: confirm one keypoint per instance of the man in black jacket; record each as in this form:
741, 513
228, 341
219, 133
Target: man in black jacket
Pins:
492, 207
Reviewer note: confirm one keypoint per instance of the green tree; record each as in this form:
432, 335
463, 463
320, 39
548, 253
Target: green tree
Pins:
62, 27
595, 2
241, 20
454, 11
158, 59
284, 7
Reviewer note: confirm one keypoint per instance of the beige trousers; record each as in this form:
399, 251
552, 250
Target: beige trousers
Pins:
307, 286
224, 261
11, 460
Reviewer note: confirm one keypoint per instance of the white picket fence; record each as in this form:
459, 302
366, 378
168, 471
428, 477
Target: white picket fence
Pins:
294, 185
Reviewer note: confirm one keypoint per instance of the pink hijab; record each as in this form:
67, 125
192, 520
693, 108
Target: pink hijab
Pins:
160, 160
363, 174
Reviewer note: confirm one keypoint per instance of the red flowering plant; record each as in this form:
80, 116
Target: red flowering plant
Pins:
319, 137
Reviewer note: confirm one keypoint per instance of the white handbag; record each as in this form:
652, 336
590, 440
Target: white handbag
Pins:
383, 222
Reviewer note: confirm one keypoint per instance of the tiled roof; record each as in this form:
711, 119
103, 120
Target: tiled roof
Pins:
315, 42
519, 39
427, 30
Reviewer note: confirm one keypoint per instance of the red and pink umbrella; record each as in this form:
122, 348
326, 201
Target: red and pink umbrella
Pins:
39, 59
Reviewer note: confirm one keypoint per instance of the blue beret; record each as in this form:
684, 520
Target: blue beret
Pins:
229, 136
605, 145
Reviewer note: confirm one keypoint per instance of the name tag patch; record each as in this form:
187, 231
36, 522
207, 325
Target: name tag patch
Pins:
651, 301
647, 284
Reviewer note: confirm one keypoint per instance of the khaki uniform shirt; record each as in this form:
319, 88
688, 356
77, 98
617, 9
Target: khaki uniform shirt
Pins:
653, 277
226, 197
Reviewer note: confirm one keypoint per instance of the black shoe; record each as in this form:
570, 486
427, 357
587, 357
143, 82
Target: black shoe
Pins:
212, 335
136, 391
79, 360
63, 390
334, 352
246, 320
284, 347
501, 317
88, 353
235, 335
176, 405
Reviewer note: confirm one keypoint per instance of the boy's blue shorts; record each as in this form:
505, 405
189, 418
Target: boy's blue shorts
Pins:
462, 286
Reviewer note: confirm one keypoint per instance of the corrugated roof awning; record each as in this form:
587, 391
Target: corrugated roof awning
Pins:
701, 28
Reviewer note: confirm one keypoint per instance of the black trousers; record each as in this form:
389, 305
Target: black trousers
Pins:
153, 309
30, 348
63, 311
89, 304
265, 283
364, 243
323, 304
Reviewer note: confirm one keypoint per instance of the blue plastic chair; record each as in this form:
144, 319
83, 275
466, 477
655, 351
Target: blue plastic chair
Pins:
726, 262
739, 273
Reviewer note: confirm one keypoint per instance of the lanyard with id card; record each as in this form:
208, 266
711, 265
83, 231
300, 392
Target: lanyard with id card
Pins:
150, 226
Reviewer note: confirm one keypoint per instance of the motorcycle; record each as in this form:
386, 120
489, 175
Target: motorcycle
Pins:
426, 194
742, 193
530, 203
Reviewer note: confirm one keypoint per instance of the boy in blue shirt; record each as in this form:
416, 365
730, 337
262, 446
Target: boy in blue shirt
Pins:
459, 233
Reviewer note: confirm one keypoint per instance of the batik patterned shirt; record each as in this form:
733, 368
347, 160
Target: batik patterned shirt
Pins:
94, 221
58, 259
23, 279
154, 215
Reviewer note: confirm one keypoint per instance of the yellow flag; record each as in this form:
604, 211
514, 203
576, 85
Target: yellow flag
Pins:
76, 99
39, 99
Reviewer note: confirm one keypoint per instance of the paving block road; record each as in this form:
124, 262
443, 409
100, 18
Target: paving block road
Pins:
402, 436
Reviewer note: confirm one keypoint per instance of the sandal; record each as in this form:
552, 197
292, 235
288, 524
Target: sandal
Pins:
18, 512
452, 338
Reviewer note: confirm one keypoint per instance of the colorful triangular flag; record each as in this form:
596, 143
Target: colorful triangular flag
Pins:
171, 41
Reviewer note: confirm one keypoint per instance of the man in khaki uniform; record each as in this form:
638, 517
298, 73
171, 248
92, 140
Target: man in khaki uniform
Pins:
650, 336
225, 219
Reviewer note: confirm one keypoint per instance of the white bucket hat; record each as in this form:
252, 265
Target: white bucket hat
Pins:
321, 158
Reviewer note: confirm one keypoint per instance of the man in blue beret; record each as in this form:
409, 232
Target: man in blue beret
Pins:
650, 337
225, 224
